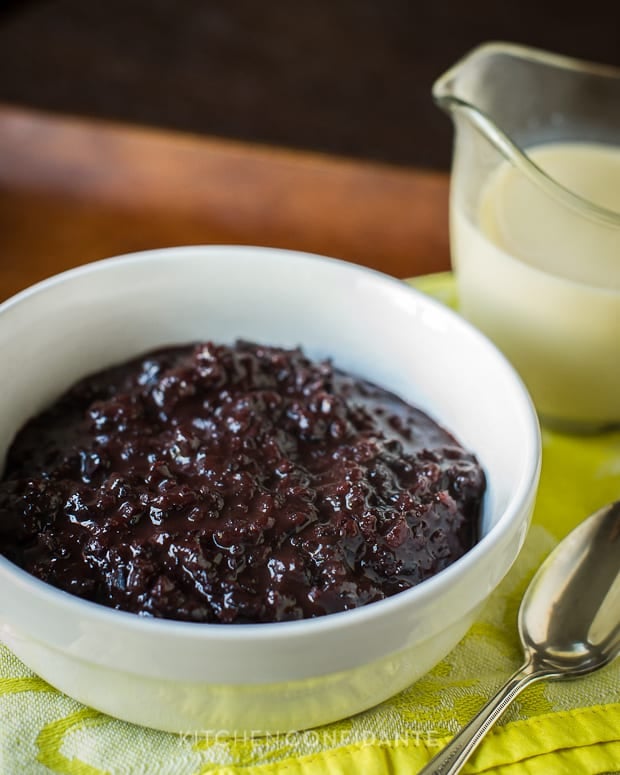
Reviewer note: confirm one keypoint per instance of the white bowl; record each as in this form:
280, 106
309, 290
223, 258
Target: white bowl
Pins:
187, 677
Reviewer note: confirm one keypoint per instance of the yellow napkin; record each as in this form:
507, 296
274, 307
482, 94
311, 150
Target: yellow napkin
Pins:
554, 728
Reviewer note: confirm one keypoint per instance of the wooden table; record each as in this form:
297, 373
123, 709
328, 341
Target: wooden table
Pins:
73, 191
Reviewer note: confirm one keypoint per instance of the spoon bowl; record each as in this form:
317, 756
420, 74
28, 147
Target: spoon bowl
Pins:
569, 624
569, 620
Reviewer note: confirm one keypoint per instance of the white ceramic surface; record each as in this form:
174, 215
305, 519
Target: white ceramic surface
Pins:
188, 677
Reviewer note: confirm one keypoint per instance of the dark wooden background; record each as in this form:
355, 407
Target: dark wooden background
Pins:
256, 88
351, 77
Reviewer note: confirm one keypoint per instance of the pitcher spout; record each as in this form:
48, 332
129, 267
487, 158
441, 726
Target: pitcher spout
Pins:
515, 98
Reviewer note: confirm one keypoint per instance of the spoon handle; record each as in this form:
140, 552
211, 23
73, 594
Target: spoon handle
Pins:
450, 760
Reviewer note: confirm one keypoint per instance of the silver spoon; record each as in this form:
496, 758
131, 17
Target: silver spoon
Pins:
569, 624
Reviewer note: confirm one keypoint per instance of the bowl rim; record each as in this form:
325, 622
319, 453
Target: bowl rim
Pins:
266, 631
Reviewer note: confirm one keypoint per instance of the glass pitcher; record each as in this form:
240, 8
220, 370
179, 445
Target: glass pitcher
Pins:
535, 221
